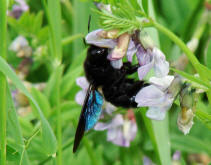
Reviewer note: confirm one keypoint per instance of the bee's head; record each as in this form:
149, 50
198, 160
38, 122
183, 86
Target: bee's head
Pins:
98, 52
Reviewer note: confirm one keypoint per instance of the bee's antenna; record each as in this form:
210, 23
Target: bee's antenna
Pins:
89, 21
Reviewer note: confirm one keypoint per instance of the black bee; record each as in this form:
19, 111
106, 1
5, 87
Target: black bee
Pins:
114, 84
116, 88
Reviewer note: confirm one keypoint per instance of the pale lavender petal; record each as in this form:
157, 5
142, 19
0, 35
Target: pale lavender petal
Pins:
161, 66
150, 96
161, 82
94, 39
116, 137
143, 56
23, 5
18, 43
176, 156
117, 121
109, 108
16, 11
112, 133
143, 70
131, 51
102, 126
80, 96
147, 161
129, 130
133, 130
102, 6
82, 82
156, 113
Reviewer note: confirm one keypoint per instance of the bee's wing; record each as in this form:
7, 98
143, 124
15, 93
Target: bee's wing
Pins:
90, 114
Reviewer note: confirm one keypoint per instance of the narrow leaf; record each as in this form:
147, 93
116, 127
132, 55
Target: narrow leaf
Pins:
49, 138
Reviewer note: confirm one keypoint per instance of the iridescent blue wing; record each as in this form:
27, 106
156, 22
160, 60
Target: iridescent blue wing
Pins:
90, 114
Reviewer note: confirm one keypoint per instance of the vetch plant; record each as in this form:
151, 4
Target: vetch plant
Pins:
121, 37
139, 86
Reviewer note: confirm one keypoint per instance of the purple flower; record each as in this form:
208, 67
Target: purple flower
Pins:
21, 46
149, 59
102, 6
147, 161
95, 38
159, 96
156, 97
18, 8
176, 156
131, 51
118, 46
120, 131
84, 84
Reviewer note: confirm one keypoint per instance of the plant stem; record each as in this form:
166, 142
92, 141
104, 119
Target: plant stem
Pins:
179, 42
3, 83
59, 71
70, 39
196, 64
90, 151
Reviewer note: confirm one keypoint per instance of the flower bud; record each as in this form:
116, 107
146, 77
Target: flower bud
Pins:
185, 118
121, 48
146, 40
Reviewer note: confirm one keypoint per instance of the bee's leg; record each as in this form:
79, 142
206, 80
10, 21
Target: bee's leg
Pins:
130, 69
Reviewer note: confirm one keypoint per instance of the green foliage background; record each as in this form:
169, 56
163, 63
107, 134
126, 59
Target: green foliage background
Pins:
59, 28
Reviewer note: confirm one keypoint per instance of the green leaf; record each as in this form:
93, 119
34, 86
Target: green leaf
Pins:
208, 55
37, 22
193, 79
42, 101
145, 5
190, 144
206, 71
204, 118
49, 139
12, 154
53, 10
158, 132
14, 132
69, 80
28, 24
51, 86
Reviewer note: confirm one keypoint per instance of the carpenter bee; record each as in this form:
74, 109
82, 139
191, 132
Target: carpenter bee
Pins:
115, 86
113, 83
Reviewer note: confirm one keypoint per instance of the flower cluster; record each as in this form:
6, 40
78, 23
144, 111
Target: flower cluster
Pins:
158, 95
20, 46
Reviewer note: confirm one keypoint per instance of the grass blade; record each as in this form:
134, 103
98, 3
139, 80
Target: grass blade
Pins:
3, 82
14, 130
49, 139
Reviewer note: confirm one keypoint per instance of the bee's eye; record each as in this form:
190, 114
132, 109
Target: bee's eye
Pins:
100, 51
